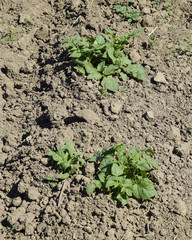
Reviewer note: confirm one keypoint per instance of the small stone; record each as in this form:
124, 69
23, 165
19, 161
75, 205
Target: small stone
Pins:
174, 134
81, 178
44, 161
150, 138
160, 78
146, 10
111, 232
181, 207
41, 227
148, 21
114, 117
42, 33
163, 232
149, 115
29, 229
116, 107
17, 202
134, 56
22, 187
90, 169
33, 193
75, 3
87, 115
29, 217
27, 68
84, 32
2, 159
19, 212
182, 150
23, 18
87, 229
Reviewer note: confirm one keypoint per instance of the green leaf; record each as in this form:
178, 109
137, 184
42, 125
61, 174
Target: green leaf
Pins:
101, 177
75, 54
127, 190
101, 66
123, 76
95, 158
144, 189
110, 32
106, 163
110, 70
123, 198
64, 176
99, 40
97, 183
70, 147
117, 170
90, 188
149, 150
120, 9
111, 181
89, 67
137, 71
110, 83
153, 163
143, 165
125, 61
92, 71
50, 178
94, 75
110, 52
55, 156
80, 69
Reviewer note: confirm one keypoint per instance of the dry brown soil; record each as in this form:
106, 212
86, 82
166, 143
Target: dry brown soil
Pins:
40, 101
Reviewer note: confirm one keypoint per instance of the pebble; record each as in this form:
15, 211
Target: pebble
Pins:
22, 187
33, 193
19, 212
174, 134
146, 10
29, 229
147, 21
42, 33
116, 107
181, 207
182, 150
149, 115
150, 138
87, 229
134, 56
90, 169
160, 78
87, 115
17, 202
2, 159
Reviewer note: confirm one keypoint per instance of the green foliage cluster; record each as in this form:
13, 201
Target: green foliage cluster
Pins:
120, 173
129, 13
67, 162
101, 58
9, 35
124, 174
186, 46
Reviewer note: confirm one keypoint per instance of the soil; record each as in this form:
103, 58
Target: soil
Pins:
42, 101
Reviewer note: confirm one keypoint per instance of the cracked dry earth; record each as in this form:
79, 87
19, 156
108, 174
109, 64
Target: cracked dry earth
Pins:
44, 103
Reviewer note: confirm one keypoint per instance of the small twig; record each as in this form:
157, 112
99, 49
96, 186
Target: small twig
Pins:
124, 235
152, 32
75, 21
102, 8
61, 193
